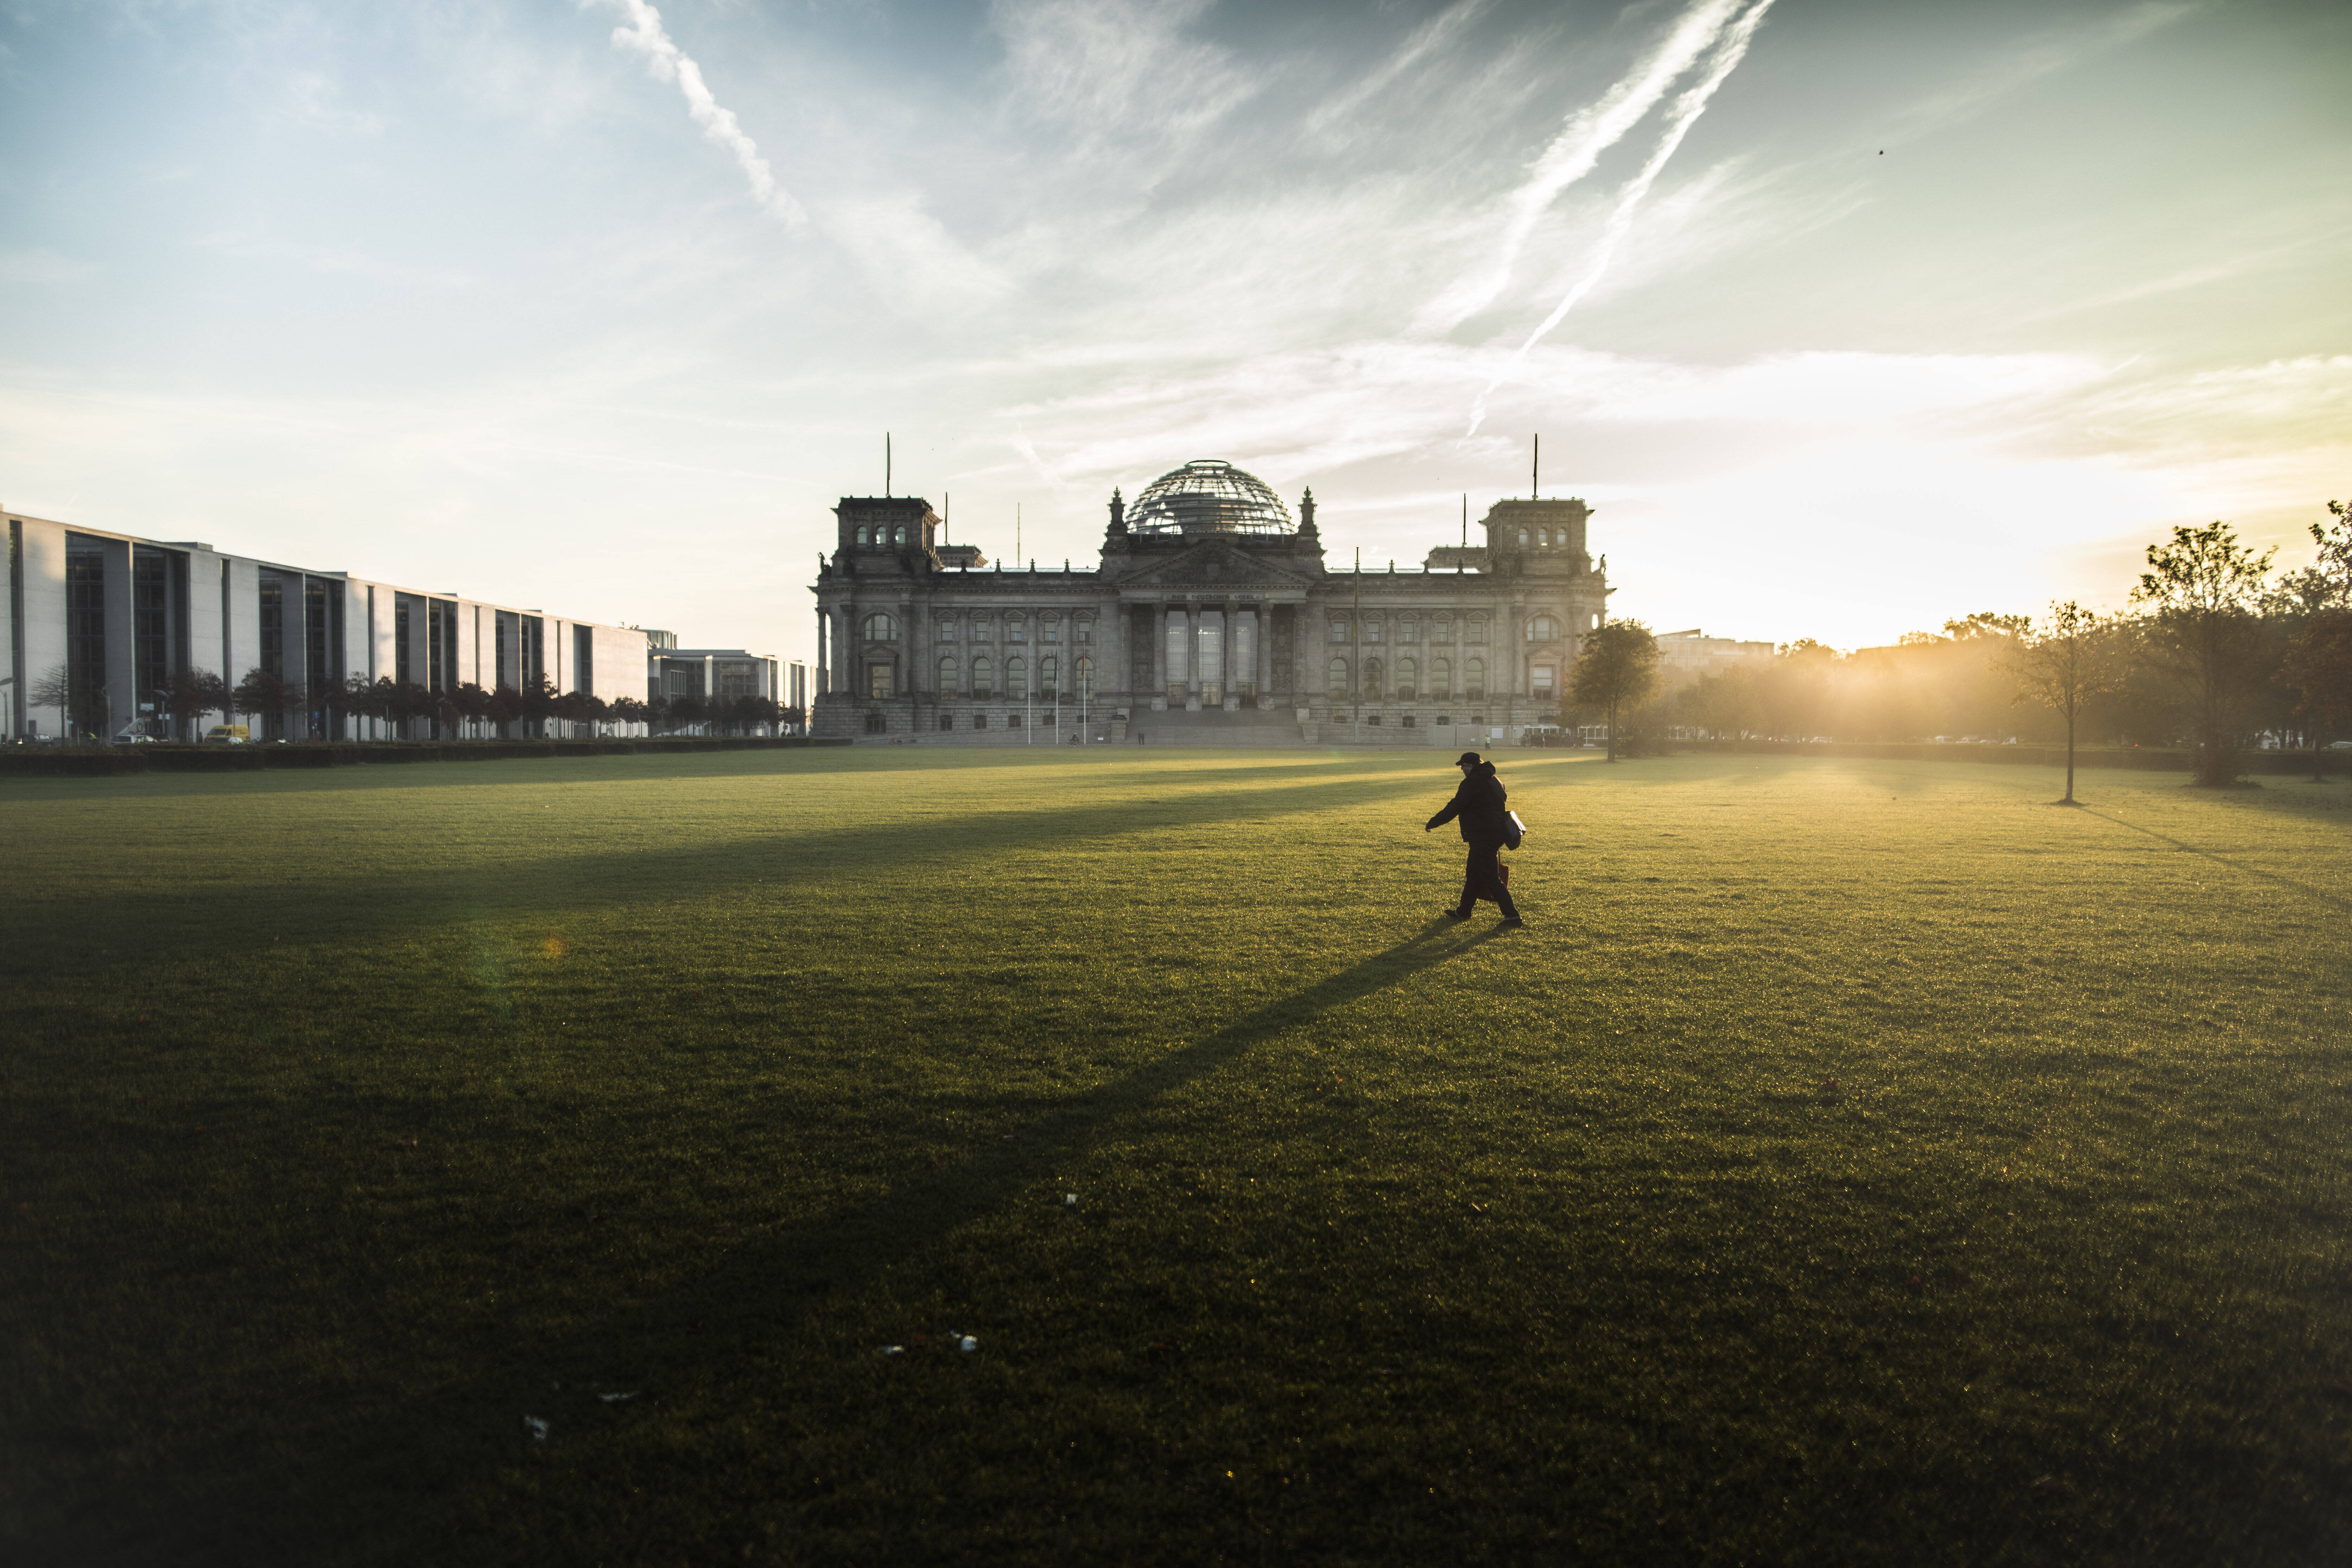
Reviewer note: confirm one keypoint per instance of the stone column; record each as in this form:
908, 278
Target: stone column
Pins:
1229, 643
1264, 654
824, 650
1191, 656
1157, 610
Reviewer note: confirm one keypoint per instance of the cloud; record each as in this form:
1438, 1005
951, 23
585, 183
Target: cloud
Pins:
1117, 71
1589, 132
1687, 109
665, 62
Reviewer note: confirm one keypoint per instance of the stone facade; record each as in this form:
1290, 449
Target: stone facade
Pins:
1207, 633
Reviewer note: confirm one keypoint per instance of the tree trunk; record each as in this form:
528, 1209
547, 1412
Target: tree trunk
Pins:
2070, 759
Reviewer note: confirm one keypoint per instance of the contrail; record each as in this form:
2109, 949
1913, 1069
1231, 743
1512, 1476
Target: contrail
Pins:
1685, 113
667, 63
1588, 133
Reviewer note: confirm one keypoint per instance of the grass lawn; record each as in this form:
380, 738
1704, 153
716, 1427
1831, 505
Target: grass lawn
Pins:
1852, 1162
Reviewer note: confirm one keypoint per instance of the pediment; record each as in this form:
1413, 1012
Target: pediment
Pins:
1212, 567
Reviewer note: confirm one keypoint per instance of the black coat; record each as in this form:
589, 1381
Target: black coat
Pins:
1478, 806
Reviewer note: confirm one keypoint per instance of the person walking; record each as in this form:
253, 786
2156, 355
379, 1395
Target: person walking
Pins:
1478, 805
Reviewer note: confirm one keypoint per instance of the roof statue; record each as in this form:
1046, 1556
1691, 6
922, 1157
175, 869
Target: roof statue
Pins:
1208, 495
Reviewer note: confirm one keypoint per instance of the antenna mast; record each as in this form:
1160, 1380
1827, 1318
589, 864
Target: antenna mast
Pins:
886, 465
1535, 473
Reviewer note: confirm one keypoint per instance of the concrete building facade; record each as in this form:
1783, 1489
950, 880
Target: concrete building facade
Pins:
1210, 618
105, 622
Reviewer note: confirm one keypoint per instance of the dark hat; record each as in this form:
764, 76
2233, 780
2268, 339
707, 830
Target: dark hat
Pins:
1465, 759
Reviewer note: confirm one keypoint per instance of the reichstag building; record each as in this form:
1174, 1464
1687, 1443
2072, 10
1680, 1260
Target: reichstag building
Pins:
1212, 619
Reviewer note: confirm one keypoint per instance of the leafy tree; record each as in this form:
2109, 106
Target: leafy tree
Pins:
53, 688
2200, 631
1986, 623
2318, 663
628, 711
2073, 656
469, 706
260, 693
193, 694
1614, 671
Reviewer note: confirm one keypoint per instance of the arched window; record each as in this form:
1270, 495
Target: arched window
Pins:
1440, 679
983, 678
1016, 677
1474, 679
1543, 536
881, 628
1339, 683
1049, 672
902, 533
861, 533
1406, 671
1542, 628
1523, 536
948, 672
1476, 631
1085, 674
1338, 628
1407, 630
1372, 679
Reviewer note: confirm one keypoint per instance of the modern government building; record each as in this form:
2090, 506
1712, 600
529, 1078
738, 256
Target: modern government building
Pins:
103, 622
1212, 618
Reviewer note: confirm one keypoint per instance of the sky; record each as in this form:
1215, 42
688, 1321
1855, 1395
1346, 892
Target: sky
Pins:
1848, 318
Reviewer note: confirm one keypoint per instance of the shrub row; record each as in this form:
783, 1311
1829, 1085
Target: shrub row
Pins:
94, 763
2164, 759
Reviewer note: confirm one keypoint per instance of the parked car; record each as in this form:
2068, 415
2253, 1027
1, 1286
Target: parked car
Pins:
228, 734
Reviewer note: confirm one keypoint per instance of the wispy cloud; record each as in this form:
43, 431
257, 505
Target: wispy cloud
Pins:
667, 62
1589, 132
1731, 49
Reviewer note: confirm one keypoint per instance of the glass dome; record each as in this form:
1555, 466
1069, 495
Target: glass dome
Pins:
1208, 496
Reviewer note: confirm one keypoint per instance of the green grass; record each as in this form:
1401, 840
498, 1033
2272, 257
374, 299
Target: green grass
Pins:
1853, 1161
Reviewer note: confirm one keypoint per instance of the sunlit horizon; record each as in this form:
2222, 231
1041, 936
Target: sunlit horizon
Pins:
1848, 320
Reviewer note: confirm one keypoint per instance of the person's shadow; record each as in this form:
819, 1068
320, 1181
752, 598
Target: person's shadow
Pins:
848, 1248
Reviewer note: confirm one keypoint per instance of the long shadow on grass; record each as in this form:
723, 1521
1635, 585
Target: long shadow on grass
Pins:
67, 934
2287, 883
754, 1284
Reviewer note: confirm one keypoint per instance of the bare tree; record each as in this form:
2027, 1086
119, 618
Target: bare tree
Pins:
2072, 656
1614, 669
53, 688
2201, 592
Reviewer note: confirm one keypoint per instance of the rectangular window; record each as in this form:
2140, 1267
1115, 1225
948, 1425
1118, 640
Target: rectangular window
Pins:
1053, 631
151, 620
1338, 628
1049, 673
1542, 676
1086, 631
583, 658
273, 626
85, 636
877, 680
1016, 631
400, 665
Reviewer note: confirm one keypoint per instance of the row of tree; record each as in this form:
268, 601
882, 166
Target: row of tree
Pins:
467, 709
2214, 652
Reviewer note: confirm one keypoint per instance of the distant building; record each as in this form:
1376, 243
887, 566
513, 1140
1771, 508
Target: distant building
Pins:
1686, 655
119, 618
1210, 618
